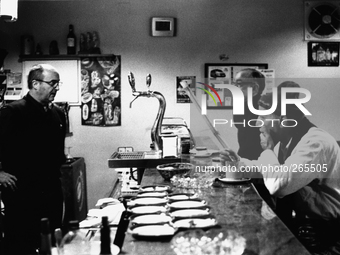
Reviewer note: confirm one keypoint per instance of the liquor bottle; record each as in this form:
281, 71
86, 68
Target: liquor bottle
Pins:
82, 44
122, 227
38, 50
105, 238
95, 38
71, 41
45, 240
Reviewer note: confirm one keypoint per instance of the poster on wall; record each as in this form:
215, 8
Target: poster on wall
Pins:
219, 75
101, 91
182, 82
323, 53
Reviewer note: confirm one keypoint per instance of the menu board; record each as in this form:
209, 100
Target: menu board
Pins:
101, 91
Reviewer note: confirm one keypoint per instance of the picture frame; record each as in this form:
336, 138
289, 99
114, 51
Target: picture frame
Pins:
217, 75
323, 53
100, 93
181, 83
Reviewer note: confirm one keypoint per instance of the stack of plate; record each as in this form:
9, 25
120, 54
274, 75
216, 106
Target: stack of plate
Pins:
156, 214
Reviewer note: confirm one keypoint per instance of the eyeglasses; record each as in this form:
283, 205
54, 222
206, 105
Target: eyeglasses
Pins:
52, 83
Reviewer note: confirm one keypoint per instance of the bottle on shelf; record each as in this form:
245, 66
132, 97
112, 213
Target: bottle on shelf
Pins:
82, 43
45, 240
95, 38
71, 41
38, 50
89, 42
75, 241
105, 237
53, 49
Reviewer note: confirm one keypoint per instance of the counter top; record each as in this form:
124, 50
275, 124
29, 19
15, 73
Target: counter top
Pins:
239, 209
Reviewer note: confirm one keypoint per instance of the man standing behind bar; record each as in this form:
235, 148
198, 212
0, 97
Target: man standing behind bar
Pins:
249, 137
306, 175
32, 133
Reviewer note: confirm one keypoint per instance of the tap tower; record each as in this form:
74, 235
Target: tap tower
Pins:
156, 128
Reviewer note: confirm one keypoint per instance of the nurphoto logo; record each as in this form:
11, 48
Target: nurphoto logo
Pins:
239, 102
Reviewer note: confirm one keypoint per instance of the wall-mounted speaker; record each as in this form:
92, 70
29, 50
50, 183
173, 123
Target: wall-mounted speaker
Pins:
322, 20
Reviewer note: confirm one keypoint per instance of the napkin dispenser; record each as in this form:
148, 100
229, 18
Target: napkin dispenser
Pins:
171, 146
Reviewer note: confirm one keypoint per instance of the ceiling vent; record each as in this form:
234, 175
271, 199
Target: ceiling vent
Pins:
322, 20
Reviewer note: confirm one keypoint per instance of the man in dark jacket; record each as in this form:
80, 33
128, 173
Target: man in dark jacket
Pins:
249, 137
32, 133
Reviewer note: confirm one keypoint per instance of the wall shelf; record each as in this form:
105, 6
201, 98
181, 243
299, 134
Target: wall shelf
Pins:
60, 57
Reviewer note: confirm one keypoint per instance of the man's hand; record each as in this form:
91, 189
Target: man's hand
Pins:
8, 180
229, 155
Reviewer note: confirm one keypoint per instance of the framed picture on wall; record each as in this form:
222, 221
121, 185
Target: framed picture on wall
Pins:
101, 91
183, 82
219, 75
323, 53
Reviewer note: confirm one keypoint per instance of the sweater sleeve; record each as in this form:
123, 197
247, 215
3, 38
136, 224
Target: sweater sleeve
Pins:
313, 157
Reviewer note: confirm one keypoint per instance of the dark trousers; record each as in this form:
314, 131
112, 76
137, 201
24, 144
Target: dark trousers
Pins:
24, 210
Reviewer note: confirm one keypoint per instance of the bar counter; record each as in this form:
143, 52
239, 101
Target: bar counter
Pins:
239, 209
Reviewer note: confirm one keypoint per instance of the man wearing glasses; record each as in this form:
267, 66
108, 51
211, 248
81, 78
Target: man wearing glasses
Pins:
32, 139
249, 137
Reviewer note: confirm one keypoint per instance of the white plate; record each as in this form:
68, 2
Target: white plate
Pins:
153, 231
151, 219
233, 180
152, 194
147, 209
147, 201
203, 155
187, 204
182, 196
195, 223
186, 213
155, 188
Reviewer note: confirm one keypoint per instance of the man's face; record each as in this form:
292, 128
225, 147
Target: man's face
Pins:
244, 83
46, 92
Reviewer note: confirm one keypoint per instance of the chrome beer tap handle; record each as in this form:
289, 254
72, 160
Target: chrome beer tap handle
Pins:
131, 78
148, 81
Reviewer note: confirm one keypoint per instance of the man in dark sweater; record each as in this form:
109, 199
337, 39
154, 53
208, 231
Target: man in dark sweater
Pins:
249, 137
32, 133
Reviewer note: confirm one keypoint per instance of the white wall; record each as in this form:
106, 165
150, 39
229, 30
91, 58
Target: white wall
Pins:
248, 31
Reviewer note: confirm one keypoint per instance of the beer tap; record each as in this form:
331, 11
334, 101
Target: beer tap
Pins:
156, 128
131, 78
148, 81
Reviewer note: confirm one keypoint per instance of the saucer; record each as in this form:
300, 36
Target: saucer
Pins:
233, 180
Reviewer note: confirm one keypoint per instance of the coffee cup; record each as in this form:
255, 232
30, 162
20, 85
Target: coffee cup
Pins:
230, 170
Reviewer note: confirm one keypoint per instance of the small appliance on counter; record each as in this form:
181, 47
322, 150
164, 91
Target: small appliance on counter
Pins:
176, 126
